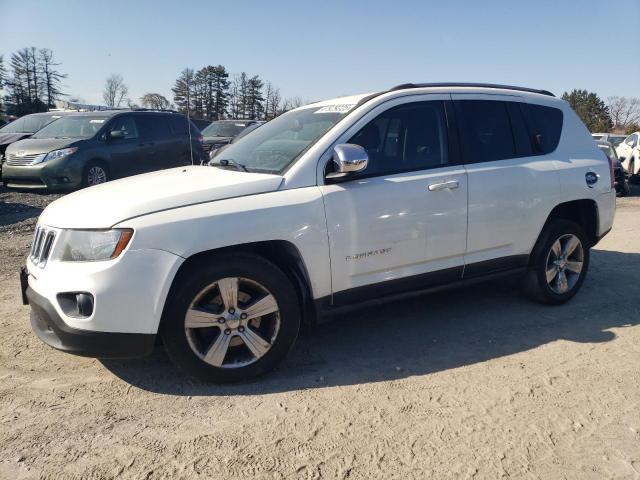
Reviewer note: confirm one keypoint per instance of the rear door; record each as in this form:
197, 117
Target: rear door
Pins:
157, 137
400, 224
512, 187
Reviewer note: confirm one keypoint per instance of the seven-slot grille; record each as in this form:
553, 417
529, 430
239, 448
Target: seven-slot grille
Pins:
41, 248
13, 159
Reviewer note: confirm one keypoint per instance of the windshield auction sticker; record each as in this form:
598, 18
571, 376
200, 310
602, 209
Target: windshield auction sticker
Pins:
336, 108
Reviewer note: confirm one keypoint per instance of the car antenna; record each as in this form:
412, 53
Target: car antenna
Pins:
189, 122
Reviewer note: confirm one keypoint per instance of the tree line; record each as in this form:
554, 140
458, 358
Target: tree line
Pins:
31, 83
211, 93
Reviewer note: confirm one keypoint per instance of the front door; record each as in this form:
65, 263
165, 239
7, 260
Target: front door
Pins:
402, 222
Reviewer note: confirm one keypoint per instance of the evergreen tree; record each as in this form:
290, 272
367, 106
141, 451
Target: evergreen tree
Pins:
590, 108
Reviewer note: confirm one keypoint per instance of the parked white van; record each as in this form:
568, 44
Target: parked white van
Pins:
332, 205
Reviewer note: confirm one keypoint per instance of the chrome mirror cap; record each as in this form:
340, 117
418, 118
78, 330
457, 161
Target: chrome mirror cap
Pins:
348, 158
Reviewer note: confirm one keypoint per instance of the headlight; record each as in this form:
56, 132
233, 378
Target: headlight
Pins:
91, 245
64, 152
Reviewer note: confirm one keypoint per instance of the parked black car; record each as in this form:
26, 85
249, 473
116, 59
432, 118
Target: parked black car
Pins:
221, 132
24, 127
216, 152
88, 148
620, 179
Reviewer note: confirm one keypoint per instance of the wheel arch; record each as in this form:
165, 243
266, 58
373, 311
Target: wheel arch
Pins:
282, 253
584, 212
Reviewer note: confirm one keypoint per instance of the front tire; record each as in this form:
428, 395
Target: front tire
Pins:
559, 263
230, 320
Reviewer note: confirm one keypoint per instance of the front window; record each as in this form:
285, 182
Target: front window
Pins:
29, 123
278, 143
79, 126
223, 129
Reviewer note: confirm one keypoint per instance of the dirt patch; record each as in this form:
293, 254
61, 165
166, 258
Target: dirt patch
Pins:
476, 383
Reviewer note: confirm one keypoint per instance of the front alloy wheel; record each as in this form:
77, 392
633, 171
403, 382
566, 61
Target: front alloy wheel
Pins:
96, 175
232, 323
230, 317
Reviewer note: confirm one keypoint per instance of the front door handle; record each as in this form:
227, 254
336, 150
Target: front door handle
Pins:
450, 185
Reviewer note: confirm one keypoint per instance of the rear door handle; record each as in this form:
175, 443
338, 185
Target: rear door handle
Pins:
450, 185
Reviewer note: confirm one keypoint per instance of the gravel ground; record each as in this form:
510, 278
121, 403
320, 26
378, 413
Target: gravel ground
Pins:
478, 383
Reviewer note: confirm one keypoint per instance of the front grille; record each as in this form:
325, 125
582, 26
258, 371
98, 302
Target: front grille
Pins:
13, 159
43, 239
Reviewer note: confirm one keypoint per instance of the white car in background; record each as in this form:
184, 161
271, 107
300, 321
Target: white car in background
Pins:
629, 154
335, 204
614, 139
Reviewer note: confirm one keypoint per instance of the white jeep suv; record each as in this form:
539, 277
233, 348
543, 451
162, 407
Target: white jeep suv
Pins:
331, 205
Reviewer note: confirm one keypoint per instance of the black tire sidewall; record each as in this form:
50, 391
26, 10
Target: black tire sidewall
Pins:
553, 231
194, 280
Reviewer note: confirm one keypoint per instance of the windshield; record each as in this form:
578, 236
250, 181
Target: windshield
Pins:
616, 140
276, 144
29, 123
72, 127
223, 129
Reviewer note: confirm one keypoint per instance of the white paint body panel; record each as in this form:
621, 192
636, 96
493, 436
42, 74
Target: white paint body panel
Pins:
181, 212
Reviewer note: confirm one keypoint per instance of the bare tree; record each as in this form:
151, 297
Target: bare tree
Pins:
155, 101
272, 101
52, 78
291, 103
624, 111
115, 91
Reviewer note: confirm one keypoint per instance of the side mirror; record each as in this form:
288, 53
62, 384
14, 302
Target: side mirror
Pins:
348, 158
115, 134
622, 159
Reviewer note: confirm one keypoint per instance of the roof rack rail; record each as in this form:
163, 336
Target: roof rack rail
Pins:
405, 86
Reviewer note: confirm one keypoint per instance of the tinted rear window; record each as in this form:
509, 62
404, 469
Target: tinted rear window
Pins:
546, 122
486, 130
153, 126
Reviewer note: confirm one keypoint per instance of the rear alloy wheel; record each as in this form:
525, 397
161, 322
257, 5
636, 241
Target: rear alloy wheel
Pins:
564, 263
230, 320
558, 264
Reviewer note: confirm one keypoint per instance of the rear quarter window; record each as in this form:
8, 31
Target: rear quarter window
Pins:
545, 124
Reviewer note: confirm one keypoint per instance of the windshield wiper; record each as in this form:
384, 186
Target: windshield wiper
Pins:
225, 162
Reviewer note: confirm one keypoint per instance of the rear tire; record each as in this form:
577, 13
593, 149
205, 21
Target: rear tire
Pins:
219, 336
559, 263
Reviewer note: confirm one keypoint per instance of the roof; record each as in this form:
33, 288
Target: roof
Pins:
479, 87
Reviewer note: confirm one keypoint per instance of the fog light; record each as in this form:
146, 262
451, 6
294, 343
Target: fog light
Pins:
79, 305
85, 304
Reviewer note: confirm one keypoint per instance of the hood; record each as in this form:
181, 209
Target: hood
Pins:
32, 146
7, 138
103, 206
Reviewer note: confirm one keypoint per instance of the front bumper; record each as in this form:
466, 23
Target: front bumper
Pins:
52, 176
51, 329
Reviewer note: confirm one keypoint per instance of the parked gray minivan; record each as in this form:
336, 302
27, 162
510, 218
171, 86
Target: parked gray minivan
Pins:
88, 148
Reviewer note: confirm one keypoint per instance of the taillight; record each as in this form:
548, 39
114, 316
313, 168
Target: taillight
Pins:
200, 138
612, 172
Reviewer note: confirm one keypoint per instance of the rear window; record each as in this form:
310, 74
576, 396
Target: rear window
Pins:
545, 124
486, 130
179, 125
153, 126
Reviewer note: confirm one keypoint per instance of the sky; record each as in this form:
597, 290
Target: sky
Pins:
323, 49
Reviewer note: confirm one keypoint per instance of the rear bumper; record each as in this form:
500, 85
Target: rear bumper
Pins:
51, 329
